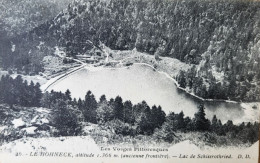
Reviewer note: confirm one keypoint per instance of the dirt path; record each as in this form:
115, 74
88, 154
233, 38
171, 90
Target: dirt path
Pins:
58, 78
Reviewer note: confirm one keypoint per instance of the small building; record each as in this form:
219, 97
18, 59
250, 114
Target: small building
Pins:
97, 52
91, 60
112, 63
128, 63
83, 56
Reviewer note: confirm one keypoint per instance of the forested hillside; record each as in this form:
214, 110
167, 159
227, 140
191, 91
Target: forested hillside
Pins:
17, 17
220, 38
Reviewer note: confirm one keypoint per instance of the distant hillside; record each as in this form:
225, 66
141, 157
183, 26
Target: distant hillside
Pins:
221, 37
21, 16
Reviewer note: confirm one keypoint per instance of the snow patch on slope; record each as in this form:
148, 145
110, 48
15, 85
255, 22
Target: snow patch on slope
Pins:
18, 122
29, 130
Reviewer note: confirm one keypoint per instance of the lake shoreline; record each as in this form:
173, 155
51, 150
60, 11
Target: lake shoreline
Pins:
143, 78
159, 70
149, 61
192, 94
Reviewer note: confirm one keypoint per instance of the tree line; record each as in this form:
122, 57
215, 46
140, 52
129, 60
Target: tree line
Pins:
128, 119
19, 92
208, 87
123, 116
140, 116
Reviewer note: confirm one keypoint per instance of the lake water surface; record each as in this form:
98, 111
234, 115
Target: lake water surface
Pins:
140, 82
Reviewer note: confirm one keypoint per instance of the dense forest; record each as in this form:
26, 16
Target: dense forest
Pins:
123, 116
19, 92
220, 38
19, 17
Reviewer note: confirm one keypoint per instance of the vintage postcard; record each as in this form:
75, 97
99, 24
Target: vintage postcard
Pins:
169, 81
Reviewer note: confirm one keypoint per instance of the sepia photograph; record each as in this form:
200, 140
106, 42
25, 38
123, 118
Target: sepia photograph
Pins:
129, 81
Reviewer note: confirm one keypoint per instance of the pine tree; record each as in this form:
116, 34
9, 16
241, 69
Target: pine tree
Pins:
37, 95
161, 115
104, 112
65, 120
214, 123
180, 121
128, 112
229, 126
158, 116
31, 94
102, 99
68, 95
146, 124
25, 101
182, 79
90, 107
118, 108
2, 88
188, 124
18, 84
200, 122
74, 102
80, 104
46, 100
220, 128
9, 92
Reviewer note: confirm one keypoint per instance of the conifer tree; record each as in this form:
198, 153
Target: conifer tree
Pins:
182, 79
65, 120
200, 122
90, 107
37, 95
102, 99
128, 112
214, 123
68, 95
146, 124
158, 116
118, 108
